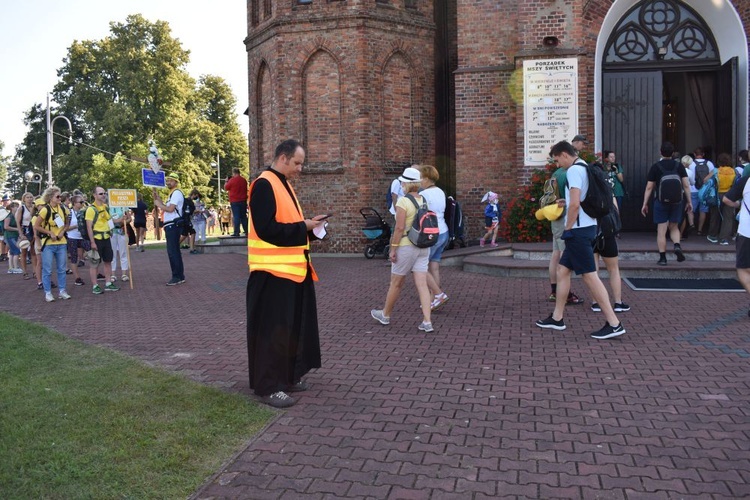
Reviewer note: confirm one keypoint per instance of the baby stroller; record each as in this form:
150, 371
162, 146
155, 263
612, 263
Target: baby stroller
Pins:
377, 230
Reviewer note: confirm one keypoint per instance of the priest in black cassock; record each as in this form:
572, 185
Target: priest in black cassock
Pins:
282, 319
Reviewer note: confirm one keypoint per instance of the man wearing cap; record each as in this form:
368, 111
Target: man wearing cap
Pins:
173, 226
282, 319
579, 142
99, 226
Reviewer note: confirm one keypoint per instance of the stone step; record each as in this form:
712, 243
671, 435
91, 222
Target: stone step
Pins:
518, 268
226, 244
638, 257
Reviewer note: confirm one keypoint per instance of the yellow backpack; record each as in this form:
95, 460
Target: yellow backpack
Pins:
727, 176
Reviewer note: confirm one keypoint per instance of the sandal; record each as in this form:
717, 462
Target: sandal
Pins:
573, 299
26, 276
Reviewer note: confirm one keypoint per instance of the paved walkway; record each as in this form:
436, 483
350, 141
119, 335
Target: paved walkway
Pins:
487, 406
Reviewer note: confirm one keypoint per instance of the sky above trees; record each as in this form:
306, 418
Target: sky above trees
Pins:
35, 36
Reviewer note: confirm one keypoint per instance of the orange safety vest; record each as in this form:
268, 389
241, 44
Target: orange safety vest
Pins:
285, 262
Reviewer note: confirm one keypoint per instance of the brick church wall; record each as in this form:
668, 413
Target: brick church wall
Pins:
353, 82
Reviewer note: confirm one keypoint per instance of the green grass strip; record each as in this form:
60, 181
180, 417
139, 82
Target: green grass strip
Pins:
78, 421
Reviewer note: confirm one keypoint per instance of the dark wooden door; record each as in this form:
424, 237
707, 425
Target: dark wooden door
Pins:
632, 128
726, 109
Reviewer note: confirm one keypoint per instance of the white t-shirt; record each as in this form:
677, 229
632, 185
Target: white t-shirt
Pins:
73, 232
435, 198
177, 199
744, 226
396, 188
578, 178
691, 168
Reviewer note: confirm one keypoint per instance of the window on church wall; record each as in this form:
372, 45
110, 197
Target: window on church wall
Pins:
661, 32
398, 132
322, 112
254, 12
264, 117
266, 9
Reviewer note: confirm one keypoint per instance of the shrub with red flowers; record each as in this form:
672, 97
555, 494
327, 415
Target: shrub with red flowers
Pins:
518, 223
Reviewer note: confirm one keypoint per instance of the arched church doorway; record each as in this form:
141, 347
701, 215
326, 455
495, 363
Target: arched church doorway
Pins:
663, 79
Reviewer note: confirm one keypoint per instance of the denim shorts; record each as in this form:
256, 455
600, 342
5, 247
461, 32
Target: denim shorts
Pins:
436, 250
579, 253
12, 242
697, 205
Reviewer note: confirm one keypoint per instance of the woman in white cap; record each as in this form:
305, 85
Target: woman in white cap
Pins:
406, 257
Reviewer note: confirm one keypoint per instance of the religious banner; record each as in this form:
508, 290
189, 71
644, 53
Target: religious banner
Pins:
550, 88
122, 198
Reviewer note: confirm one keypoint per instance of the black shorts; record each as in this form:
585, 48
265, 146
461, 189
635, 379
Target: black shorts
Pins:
187, 230
743, 252
139, 224
606, 246
104, 247
578, 255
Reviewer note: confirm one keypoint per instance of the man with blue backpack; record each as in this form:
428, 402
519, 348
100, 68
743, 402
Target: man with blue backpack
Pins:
670, 180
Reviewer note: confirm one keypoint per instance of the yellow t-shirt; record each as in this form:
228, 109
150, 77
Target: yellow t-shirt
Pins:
411, 212
56, 224
101, 228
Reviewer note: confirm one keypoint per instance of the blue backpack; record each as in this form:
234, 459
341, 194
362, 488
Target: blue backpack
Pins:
708, 194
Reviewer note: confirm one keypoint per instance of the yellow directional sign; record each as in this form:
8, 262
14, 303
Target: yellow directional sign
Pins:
123, 197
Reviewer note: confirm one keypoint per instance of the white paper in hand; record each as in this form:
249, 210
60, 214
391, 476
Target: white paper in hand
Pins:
320, 231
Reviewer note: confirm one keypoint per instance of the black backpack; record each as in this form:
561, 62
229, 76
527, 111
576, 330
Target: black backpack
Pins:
701, 171
81, 221
186, 210
388, 199
670, 190
598, 201
424, 231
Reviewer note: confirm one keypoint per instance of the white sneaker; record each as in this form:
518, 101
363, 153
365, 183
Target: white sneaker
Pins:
48, 297
125, 278
113, 279
64, 295
378, 315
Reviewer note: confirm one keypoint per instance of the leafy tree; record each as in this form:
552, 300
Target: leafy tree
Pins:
125, 89
4, 166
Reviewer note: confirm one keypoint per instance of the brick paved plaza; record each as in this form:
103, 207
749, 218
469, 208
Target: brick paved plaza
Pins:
487, 406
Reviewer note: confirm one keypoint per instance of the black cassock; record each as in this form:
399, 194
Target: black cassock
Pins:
282, 317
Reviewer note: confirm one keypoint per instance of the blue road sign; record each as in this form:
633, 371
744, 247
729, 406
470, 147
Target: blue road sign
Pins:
153, 179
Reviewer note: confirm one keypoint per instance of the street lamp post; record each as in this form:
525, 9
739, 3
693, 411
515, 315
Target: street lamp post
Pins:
217, 164
51, 142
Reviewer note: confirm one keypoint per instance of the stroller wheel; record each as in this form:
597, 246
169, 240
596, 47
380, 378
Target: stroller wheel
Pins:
369, 252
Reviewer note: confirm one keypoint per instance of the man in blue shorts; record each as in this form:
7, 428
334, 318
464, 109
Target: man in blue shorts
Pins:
578, 256
667, 215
